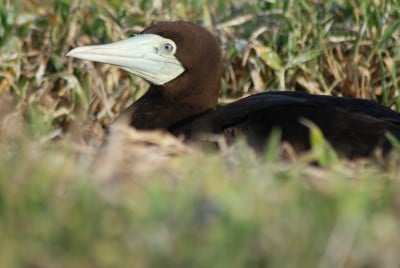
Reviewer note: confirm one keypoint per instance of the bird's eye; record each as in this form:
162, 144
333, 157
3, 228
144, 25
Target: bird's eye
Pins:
169, 48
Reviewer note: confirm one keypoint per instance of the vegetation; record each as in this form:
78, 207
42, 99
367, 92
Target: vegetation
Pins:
144, 199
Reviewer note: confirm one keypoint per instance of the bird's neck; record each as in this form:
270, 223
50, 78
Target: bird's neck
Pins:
156, 110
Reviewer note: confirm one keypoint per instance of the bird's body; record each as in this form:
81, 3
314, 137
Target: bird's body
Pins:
184, 74
354, 127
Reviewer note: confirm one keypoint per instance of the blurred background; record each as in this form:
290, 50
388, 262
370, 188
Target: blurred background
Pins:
345, 48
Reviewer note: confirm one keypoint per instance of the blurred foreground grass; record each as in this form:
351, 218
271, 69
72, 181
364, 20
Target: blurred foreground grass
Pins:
232, 212
145, 200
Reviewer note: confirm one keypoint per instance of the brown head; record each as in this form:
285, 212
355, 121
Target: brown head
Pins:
180, 60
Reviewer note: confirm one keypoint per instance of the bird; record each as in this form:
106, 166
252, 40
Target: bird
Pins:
183, 64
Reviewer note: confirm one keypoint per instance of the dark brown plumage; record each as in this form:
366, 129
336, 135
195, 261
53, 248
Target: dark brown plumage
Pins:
188, 94
185, 104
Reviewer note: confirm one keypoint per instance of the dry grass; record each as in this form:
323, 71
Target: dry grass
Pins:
346, 49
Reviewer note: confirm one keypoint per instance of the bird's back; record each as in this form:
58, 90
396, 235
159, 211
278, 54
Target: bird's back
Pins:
354, 127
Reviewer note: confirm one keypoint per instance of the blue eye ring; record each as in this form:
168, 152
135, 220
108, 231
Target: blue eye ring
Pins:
168, 47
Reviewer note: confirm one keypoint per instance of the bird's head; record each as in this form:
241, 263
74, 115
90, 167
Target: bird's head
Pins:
178, 56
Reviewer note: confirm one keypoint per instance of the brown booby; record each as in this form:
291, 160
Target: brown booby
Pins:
183, 64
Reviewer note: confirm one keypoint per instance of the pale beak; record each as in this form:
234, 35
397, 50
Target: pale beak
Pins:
149, 56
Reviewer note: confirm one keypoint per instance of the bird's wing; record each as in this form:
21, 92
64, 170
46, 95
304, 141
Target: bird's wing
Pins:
351, 129
354, 105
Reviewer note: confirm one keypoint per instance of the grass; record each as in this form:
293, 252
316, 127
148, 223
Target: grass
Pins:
145, 199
